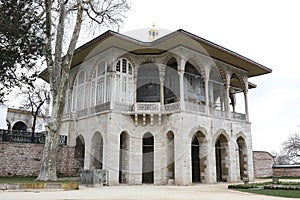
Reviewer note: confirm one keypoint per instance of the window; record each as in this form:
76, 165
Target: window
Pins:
100, 86
124, 81
79, 92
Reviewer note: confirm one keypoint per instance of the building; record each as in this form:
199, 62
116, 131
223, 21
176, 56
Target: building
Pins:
160, 110
263, 164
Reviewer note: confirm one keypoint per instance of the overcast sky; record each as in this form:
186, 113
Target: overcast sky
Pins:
266, 31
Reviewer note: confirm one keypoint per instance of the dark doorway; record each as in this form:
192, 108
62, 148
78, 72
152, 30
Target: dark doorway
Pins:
148, 158
195, 161
21, 126
79, 152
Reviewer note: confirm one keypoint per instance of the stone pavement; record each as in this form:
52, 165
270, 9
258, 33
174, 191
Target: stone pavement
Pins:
145, 192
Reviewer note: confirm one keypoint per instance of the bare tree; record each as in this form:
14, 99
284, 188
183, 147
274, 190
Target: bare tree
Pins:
34, 100
58, 13
290, 153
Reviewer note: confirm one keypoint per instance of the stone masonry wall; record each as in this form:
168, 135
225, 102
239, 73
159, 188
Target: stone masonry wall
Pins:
24, 159
263, 163
286, 170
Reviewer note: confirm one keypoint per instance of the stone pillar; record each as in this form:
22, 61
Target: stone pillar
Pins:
113, 86
182, 153
206, 87
161, 82
227, 105
160, 157
181, 81
87, 155
111, 150
135, 168
135, 77
246, 104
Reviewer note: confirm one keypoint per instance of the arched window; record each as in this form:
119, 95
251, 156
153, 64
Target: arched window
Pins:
100, 86
194, 84
79, 92
124, 81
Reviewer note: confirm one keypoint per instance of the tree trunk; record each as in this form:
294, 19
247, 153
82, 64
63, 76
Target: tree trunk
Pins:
49, 160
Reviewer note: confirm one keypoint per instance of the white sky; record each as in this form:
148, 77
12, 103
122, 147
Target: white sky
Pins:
266, 31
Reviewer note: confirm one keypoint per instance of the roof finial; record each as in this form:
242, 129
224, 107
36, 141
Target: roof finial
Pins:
153, 33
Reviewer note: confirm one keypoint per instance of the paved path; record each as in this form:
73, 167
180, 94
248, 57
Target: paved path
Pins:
144, 192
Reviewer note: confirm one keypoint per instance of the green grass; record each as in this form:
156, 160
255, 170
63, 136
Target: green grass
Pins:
277, 193
16, 179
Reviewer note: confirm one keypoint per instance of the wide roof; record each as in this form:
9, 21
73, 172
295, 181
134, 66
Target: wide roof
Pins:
165, 43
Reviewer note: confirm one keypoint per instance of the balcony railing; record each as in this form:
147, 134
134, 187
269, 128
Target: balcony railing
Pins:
157, 108
27, 137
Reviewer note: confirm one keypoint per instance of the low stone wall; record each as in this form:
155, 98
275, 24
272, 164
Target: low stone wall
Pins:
24, 159
286, 170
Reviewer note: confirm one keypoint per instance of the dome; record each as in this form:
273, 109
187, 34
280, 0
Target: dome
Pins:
147, 34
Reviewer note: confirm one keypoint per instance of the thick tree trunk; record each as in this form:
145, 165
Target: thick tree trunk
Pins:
49, 160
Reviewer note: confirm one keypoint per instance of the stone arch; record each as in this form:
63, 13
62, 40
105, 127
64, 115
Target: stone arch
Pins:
197, 61
148, 158
199, 151
20, 126
79, 152
198, 129
242, 157
147, 60
124, 157
96, 151
222, 157
129, 58
168, 56
170, 155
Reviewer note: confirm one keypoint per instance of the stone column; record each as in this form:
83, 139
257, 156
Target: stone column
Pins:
227, 105
181, 81
206, 87
135, 79
135, 168
112, 86
111, 150
161, 81
182, 154
246, 104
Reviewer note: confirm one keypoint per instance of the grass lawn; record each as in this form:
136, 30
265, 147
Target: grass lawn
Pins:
17, 179
31, 179
278, 193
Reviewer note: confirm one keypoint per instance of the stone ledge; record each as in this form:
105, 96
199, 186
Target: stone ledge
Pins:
40, 186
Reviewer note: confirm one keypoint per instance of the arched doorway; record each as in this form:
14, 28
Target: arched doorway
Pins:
80, 152
170, 155
124, 158
199, 157
97, 151
148, 158
20, 126
221, 151
242, 149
